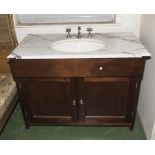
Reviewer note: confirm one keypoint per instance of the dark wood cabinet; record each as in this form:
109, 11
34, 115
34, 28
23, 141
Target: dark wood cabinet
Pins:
108, 100
48, 100
99, 92
105, 97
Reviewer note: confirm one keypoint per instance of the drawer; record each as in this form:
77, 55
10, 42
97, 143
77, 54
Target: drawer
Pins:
77, 67
117, 68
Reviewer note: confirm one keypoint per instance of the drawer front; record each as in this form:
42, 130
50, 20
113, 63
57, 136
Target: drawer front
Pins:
118, 68
77, 67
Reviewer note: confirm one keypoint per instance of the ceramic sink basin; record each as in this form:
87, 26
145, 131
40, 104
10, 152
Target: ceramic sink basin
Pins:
78, 45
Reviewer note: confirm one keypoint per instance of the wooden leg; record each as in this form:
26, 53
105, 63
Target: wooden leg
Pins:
134, 109
24, 116
131, 127
27, 125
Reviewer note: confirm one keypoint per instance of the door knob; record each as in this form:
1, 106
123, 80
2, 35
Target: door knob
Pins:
74, 103
100, 68
81, 102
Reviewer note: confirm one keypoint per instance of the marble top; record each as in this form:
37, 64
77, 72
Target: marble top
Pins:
118, 45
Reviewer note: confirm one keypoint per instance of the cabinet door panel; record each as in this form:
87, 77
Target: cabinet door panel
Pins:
49, 100
105, 98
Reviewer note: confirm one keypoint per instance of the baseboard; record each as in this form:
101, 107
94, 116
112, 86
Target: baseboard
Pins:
144, 125
153, 132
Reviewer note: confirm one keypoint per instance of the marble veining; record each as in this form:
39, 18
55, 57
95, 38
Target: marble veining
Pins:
118, 45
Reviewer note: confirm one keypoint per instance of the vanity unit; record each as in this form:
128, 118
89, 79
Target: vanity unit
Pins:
97, 88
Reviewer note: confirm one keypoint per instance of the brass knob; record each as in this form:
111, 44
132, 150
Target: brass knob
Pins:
81, 102
74, 103
100, 68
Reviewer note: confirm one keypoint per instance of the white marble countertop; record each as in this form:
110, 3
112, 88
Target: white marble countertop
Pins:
118, 45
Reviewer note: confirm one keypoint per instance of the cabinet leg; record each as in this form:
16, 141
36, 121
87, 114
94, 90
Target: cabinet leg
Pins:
27, 126
136, 95
131, 127
24, 117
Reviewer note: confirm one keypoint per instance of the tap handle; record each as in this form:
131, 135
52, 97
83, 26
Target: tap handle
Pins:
89, 32
68, 29
89, 29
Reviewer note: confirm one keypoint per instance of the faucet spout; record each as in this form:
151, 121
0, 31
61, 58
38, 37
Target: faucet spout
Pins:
79, 32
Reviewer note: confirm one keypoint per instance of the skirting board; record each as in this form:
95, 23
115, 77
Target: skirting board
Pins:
153, 132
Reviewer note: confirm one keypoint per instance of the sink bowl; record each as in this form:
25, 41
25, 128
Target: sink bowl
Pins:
78, 45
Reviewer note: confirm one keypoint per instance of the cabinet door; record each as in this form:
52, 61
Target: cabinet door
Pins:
103, 100
49, 100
